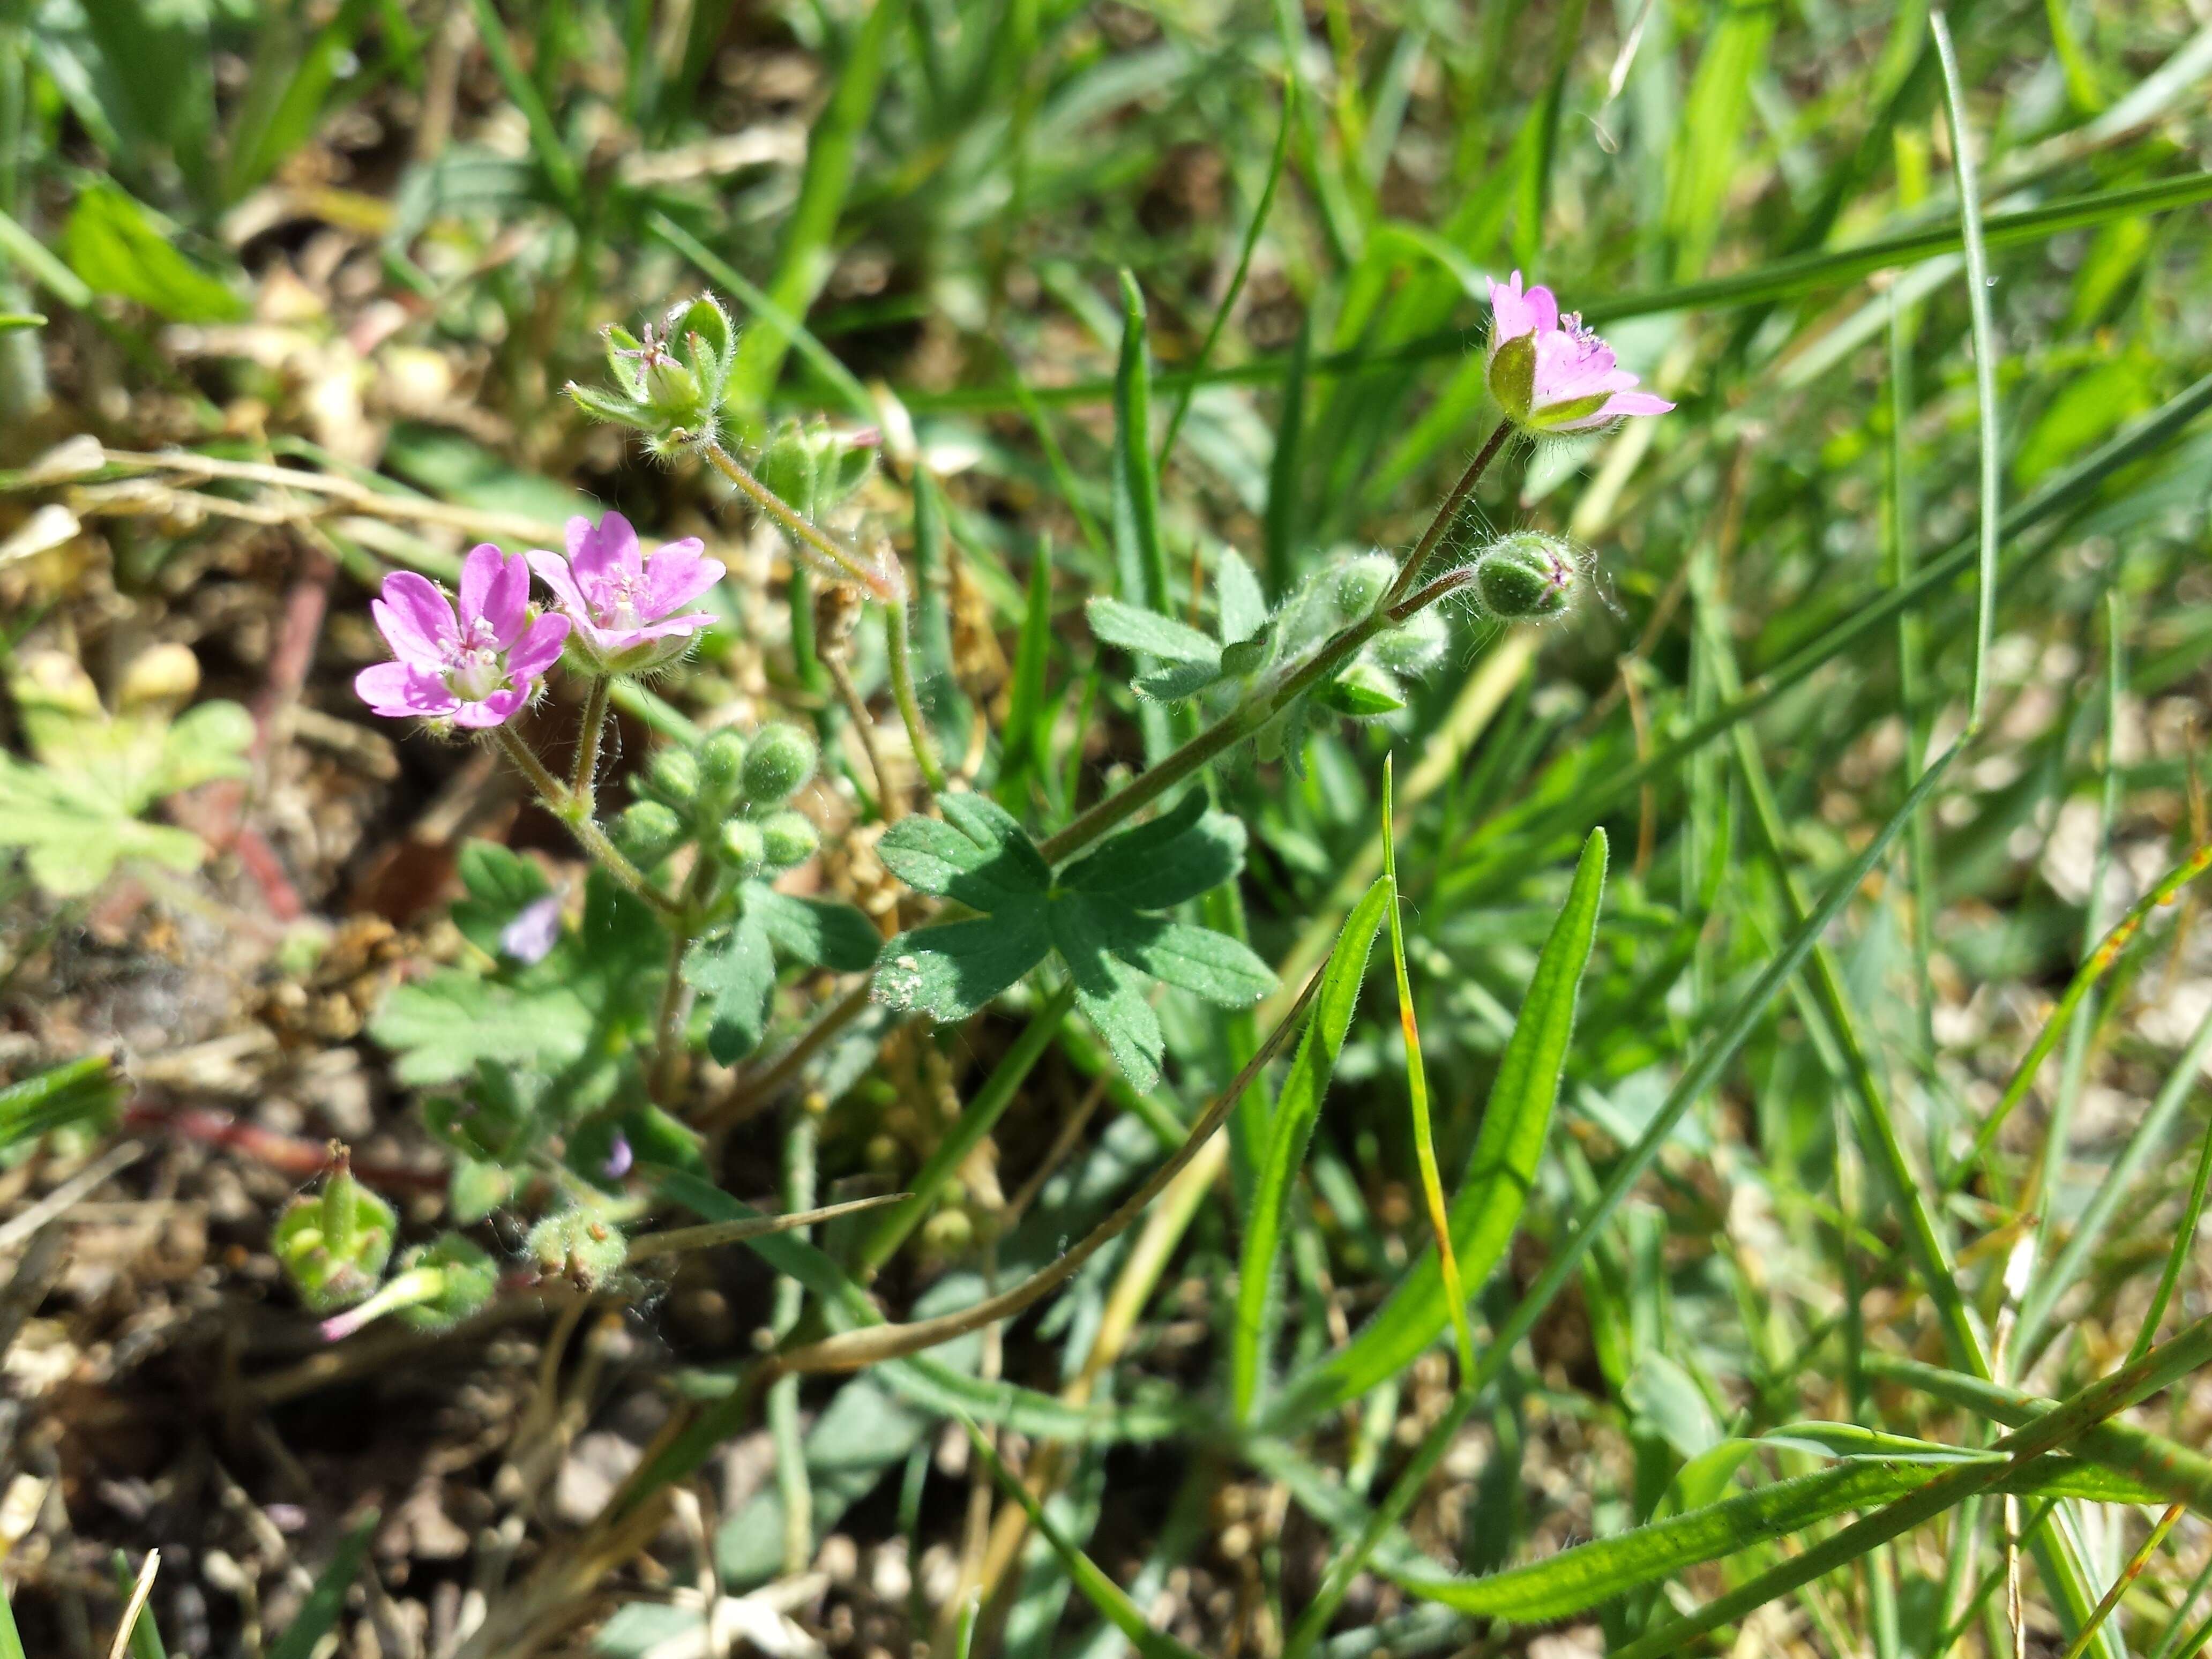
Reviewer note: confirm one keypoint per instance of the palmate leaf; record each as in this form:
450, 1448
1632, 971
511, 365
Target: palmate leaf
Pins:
1093, 916
735, 970
580, 1013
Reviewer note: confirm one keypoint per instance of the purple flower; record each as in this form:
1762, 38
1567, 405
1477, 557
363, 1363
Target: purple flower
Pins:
536, 929
1552, 373
474, 669
628, 607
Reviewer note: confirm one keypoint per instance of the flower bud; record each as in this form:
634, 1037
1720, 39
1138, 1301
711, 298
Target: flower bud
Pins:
333, 1245
579, 1245
1527, 576
646, 832
1361, 690
1361, 583
721, 769
1414, 646
787, 838
743, 845
674, 776
458, 1277
783, 758
814, 467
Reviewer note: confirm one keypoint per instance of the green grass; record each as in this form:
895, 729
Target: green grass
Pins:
1738, 916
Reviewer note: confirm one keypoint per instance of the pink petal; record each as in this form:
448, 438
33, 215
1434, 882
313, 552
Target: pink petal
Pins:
1542, 305
674, 576
495, 588
683, 622
492, 710
397, 691
416, 618
1637, 403
553, 570
539, 649
600, 552
1509, 313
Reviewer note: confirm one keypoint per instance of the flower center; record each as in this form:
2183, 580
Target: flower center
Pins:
477, 673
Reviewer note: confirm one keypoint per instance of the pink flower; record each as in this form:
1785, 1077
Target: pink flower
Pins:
1552, 373
474, 669
627, 608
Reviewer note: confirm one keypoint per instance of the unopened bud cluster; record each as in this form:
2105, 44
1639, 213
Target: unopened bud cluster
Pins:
732, 796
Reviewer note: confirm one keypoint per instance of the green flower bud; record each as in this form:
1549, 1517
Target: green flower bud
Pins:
743, 844
1361, 690
815, 468
1361, 583
674, 776
333, 1245
456, 1277
783, 758
1527, 576
721, 769
579, 1245
646, 832
789, 838
1414, 646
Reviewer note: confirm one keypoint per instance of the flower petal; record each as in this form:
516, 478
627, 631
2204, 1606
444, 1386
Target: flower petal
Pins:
553, 570
674, 576
1637, 403
539, 649
416, 618
496, 591
397, 691
492, 710
1510, 312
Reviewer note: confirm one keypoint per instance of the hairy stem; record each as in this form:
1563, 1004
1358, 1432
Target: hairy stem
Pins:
877, 581
888, 802
565, 805
901, 653
584, 784
1225, 734
1410, 571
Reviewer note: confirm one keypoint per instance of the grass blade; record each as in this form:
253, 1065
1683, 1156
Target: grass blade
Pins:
809, 234
1291, 1129
1102, 1592
318, 1613
1251, 244
1978, 281
1486, 1210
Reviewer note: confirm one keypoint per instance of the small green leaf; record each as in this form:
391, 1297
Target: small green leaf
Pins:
1207, 964
119, 247
1174, 684
977, 853
73, 834
499, 882
1109, 994
1242, 606
1178, 855
1134, 629
821, 933
949, 971
735, 971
